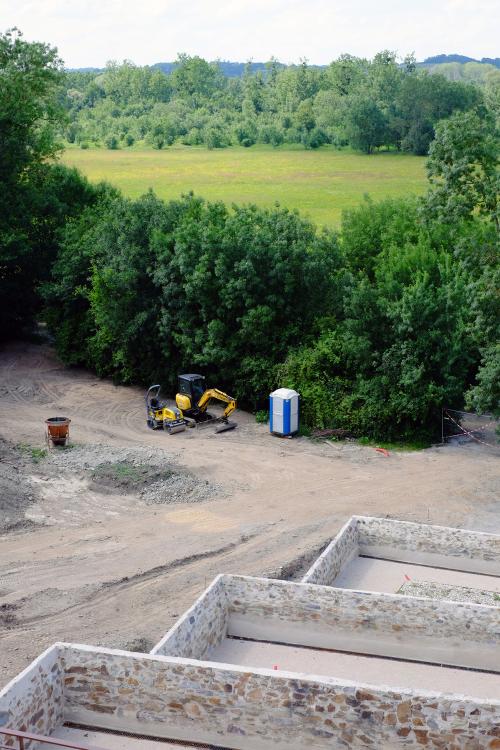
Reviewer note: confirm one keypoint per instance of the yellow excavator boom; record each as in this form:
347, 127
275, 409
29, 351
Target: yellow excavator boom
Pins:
214, 394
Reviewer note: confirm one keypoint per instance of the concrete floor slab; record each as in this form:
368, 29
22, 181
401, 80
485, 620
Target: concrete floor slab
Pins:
111, 741
364, 669
387, 576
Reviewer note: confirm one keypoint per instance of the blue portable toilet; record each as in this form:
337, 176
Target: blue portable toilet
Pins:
284, 412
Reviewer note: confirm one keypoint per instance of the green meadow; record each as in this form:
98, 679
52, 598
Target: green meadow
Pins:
320, 184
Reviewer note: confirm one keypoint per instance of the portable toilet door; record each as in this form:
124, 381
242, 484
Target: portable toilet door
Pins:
284, 412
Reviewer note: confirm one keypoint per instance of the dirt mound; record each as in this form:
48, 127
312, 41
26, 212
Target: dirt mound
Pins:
17, 492
123, 476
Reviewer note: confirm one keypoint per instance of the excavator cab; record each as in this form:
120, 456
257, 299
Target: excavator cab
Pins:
191, 387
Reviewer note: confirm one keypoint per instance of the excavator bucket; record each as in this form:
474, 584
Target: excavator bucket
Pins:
225, 426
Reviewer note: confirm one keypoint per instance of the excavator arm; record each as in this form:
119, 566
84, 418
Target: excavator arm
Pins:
213, 394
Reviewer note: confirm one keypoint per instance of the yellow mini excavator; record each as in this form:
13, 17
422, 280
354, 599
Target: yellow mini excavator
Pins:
192, 402
194, 398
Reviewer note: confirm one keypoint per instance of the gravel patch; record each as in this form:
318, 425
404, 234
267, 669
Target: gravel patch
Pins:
180, 488
78, 457
433, 590
151, 474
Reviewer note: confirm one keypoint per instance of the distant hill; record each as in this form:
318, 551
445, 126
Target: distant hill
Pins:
438, 59
455, 67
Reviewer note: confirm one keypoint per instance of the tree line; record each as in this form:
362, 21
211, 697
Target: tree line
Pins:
366, 104
378, 325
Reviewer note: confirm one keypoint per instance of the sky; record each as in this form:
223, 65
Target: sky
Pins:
91, 32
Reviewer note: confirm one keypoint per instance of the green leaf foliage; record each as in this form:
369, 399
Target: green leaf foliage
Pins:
37, 197
191, 285
367, 104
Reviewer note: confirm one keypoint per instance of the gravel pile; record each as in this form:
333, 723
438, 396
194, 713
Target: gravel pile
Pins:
433, 590
180, 488
151, 474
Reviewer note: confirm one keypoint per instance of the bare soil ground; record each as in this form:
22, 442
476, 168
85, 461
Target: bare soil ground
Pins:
108, 542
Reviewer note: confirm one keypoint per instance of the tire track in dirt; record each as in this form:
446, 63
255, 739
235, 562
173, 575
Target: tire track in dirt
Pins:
112, 589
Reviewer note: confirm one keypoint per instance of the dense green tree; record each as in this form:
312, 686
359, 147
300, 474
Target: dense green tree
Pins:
346, 75
366, 124
33, 197
239, 288
463, 169
66, 294
402, 347
485, 395
146, 288
194, 77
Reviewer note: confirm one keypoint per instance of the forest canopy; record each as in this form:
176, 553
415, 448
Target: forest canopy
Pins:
366, 104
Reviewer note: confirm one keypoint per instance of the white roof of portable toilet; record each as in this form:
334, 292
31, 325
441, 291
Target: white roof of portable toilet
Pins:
284, 393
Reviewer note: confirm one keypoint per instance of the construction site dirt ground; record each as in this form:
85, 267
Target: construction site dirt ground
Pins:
107, 542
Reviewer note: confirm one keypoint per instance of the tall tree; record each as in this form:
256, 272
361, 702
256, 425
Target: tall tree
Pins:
463, 168
366, 124
30, 75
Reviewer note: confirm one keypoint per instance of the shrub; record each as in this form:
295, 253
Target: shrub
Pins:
111, 142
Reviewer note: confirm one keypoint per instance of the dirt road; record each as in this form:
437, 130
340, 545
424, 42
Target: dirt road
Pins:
91, 564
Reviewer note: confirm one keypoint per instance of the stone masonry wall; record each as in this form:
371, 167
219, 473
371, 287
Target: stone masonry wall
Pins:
461, 634
344, 608
261, 709
201, 628
339, 552
461, 546
470, 630
33, 701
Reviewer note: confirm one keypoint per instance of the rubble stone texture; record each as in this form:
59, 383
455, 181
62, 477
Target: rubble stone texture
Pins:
258, 709
201, 628
401, 540
336, 556
463, 545
322, 612
34, 702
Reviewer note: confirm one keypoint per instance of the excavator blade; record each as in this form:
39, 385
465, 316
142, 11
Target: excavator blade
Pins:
225, 426
176, 428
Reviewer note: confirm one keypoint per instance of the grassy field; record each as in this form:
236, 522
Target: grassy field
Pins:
321, 184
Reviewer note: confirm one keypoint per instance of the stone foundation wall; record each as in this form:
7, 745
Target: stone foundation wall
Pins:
201, 628
460, 634
33, 701
259, 709
341, 550
458, 549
